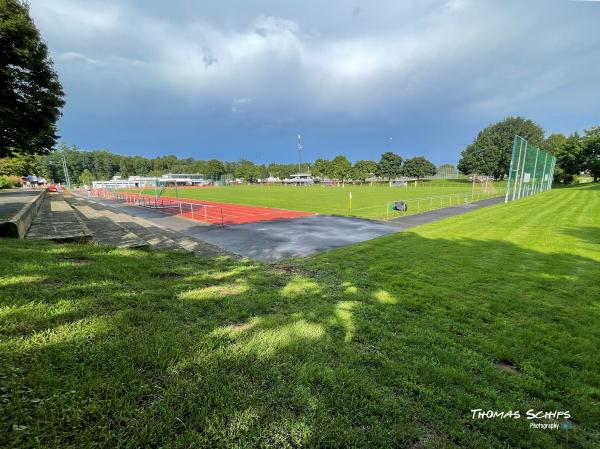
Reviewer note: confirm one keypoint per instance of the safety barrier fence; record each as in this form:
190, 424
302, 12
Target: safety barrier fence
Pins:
422, 204
425, 204
205, 213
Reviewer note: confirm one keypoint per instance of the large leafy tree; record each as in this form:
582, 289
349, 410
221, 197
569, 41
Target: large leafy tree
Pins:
214, 169
283, 171
86, 178
249, 171
31, 95
554, 143
19, 165
490, 152
321, 167
591, 152
568, 155
390, 165
418, 167
340, 168
363, 169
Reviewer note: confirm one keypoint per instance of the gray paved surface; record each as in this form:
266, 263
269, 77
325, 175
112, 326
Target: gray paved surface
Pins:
104, 225
280, 239
411, 221
56, 220
12, 201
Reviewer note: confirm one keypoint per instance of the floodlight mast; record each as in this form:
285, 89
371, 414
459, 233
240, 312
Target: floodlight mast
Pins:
299, 146
66, 172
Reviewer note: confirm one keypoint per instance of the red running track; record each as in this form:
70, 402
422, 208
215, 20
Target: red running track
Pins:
219, 213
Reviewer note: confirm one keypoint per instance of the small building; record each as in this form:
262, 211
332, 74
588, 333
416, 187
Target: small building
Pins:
183, 179
300, 179
116, 182
170, 179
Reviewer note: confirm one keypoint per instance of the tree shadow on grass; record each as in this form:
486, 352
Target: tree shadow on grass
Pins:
392, 349
589, 234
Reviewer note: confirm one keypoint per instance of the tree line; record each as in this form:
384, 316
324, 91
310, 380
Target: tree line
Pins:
103, 165
490, 152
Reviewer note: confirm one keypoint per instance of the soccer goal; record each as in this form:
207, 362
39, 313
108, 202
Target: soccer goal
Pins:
531, 170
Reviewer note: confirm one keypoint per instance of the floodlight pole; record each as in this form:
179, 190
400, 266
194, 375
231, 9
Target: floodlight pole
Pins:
299, 146
66, 172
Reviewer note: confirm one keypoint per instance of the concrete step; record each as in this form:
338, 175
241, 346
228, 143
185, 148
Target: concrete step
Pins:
18, 208
157, 237
153, 236
57, 221
104, 228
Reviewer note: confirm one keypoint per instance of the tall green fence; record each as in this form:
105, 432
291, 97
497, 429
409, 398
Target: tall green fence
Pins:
531, 170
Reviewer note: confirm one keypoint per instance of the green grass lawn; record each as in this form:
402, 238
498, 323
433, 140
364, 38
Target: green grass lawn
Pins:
387, 343
367, 201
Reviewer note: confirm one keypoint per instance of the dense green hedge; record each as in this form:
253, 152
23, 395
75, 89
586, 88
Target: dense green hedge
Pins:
7, 182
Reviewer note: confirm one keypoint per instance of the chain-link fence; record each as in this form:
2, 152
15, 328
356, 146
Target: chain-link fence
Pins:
531, 170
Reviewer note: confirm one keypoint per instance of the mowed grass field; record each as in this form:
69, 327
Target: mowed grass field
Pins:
367, 201
387, 343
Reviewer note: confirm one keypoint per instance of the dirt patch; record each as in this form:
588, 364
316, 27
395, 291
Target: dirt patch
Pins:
507, 365
292, 269
240, 327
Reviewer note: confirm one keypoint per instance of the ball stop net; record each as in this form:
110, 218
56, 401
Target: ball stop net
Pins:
531, 170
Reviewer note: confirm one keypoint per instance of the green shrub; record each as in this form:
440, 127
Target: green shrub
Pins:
8, 182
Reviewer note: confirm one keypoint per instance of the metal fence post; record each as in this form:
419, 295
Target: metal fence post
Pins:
517, 175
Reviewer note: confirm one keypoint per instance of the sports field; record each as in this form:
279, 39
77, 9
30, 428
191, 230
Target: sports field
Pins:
387, 343
367, 201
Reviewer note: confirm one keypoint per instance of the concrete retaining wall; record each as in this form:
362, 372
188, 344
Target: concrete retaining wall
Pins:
18, 225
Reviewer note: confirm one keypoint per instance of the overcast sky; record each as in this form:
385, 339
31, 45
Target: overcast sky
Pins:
240, 78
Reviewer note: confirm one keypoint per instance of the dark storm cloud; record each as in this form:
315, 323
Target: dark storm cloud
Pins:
147, 76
